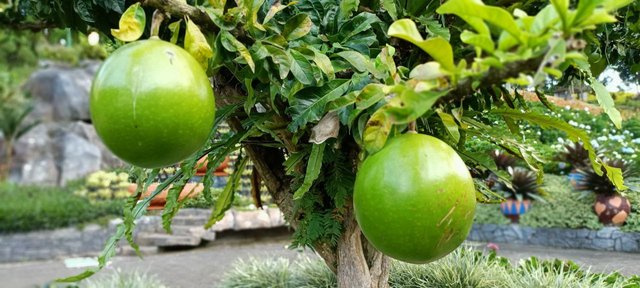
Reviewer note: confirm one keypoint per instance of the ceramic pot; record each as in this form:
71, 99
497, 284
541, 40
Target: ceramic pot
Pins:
157, 203
513, 208
612, 209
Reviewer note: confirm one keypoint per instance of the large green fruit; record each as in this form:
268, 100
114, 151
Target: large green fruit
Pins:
152, 104
415, 200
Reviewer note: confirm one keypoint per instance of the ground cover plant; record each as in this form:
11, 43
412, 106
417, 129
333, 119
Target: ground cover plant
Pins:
28, 208
315, 88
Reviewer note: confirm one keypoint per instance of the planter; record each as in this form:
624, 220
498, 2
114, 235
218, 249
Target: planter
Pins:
575, 179
202, 167
190, 190
513, 208
612, 209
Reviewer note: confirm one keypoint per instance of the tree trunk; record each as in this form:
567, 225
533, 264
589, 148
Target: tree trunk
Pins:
4, 171
359, 264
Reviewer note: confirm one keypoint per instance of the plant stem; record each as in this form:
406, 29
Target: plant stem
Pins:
158, 18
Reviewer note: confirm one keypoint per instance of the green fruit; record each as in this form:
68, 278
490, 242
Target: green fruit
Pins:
152, 104
415, 199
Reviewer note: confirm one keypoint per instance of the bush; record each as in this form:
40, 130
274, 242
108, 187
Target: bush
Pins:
120, 279
26, 208
102, 185
464, 267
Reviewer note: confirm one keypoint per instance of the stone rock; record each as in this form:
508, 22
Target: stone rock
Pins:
603, 244
276, 217
605, 233
88, 132
226, 223
60, 93
245, 220
35, 158
79, 157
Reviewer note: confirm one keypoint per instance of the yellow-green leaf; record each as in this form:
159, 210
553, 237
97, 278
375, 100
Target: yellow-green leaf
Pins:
196, 44
233, 45
277, 7
376, 131
606, 102
297, 27
132, 23
438, 48
450, 123
175, 31
357, 60
473, 8
217, 4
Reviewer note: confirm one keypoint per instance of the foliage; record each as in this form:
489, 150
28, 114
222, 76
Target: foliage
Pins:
120, 279
464, 267
592, 182
523, 185
102, 185
25, 208
364, 72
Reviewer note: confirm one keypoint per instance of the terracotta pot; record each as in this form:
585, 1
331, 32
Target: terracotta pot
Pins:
612, 209
157, 203
202, 167
512, 208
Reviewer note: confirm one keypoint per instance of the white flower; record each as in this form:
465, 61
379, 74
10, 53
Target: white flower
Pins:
595, 143
93, 38
560, 140
567, 107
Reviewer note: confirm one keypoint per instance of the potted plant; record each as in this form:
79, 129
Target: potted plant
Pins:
611, 206
190, 189
519, 195
577, 157
503, 162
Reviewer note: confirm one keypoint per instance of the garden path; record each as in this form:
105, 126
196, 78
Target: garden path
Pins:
203, 267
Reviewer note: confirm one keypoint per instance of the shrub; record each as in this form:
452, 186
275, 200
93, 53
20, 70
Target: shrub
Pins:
27, 208
119, 279
464, 267
565, 208
102, 185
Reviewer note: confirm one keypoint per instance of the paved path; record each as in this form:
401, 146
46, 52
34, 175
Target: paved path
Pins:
204, 267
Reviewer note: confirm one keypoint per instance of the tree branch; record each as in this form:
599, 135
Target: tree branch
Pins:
492, 77
182, 9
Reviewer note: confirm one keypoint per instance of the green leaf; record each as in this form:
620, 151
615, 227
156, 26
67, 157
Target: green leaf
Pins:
251, 9
196, 44
606, 102
323, 62
478, 40
275, 9
472, 8
227, 21
291, 162
357, 60
309, 104
175, 31
408, 105
233, 45
376, 131
131, 25
314, 165
574, 134
223, 203
584, 10
301, 68
390, 7
347, 7
450, 123
562, 8
297, 27
438, 48
546, 18
281, 59
356, 25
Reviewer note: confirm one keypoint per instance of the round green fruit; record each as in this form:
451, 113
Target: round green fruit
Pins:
152, 104
415, 199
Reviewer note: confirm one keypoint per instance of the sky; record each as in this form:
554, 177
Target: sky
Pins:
615, 83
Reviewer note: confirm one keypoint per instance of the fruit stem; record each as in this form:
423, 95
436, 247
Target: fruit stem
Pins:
412, 127
158, 18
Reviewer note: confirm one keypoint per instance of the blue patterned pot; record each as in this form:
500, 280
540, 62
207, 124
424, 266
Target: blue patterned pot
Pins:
513, 208
575, 179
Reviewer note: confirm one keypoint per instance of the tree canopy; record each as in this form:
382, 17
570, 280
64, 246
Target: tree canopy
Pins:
311, 87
